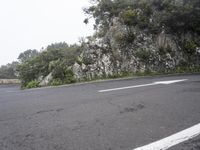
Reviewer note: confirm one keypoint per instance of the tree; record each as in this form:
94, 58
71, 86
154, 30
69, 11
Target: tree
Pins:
55, 59
9, 71
103, 12
24, 56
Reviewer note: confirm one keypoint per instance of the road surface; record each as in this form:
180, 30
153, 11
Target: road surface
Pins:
87, 117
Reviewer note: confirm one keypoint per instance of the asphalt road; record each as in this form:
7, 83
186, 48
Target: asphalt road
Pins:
81, 118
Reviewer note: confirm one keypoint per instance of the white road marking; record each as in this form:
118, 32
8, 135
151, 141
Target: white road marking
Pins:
170, 82
142, 85
173, 140
127, 87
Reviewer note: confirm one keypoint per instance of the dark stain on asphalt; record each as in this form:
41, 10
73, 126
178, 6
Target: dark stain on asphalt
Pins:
133, 108
50, 110
60, 109
44, 111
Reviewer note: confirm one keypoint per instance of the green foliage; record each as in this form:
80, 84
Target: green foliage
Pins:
9, 71
64, 74
126, 73
58, 70
182, 17
177, 16
143, 55
69, 77
79, 60
55, 59
56, 82
129, 17
32, 84
27, 55
66, 78
187, 69
190, 47
103, 11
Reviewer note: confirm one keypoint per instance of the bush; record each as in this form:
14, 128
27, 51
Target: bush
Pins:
190, 47
56, 82
129, 17
69, 77
66, 78
32, 84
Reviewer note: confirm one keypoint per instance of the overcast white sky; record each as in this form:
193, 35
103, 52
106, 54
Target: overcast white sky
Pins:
33, 24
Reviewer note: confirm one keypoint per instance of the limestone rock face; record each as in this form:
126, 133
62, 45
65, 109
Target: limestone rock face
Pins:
46, 80
112, 55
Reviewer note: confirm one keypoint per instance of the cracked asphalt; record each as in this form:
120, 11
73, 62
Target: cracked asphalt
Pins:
78, 117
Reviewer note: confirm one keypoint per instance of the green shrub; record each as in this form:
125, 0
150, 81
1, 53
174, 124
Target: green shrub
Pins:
130, 17
32, 84
190, 47
56, 82
69, 77
66, 78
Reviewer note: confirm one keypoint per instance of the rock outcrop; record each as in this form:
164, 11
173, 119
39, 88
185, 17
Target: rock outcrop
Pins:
45, 81
111, 55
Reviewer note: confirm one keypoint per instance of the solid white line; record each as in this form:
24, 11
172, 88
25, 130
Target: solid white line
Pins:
170, 82
173, 139
127, 87
142, 85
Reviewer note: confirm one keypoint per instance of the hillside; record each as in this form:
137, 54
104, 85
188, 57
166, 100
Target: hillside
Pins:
132, 36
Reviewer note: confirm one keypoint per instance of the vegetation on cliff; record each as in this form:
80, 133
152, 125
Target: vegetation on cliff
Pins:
131, 37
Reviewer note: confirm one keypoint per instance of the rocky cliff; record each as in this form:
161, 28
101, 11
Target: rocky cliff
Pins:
111, 55
131, 36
